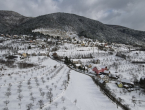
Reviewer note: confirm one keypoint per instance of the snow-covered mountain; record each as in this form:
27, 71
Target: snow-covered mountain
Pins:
14, 23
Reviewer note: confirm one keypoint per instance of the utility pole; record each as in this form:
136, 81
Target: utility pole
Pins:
93, 46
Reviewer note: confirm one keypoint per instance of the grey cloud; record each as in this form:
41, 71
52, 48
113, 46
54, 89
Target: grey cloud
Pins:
129, 13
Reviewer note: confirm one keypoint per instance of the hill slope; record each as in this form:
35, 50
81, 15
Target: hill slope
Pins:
64, 21
10, 19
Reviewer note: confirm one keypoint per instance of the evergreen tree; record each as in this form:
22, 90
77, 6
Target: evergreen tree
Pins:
66, 61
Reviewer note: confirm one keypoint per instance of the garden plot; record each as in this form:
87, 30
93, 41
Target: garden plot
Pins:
134, 99
129, 72
37, 85
73, 51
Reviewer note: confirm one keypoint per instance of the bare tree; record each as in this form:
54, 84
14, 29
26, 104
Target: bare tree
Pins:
50, 89
48, 78
8, 89
28, 83
75, 101
55, 86
49, 108
49, 96
8, 94
19, 91
40, 103
10, 85
19, 86
63, 108
63, 99
47, 87
40, 89
56, 104
20, 97
31, 94
19, 105
42, 94
6, 108
29, 106
37, 84
33, 99
65, 84
6, 102
29, 87
43, 81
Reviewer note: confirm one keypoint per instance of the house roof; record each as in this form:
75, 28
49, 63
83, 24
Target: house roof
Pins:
102, 76
106, 71
78, 65
126, 81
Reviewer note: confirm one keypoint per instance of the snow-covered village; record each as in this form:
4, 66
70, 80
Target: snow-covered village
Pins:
64, 71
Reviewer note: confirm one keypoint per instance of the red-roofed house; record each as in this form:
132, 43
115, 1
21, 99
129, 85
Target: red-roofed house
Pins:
99, 69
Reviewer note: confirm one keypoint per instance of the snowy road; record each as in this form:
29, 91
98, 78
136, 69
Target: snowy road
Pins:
88, 95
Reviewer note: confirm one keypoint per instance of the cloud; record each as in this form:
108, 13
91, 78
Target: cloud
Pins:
129, 13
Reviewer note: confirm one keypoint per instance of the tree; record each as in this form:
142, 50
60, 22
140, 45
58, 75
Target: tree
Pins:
8, 94
42, 94
31, 94
40, 103
6, 108
37, 84
66, 61
29, 106
49, 96
63, 99
29, 87
6, 102
20, 97
29, 47
33, 99
55, 86
40, 89
19, 91
47, 86
63, 108
56, 104
65, 84
75, 101
49, 108
80, 67
19, 105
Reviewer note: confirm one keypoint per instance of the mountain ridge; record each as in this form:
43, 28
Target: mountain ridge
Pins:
87, 27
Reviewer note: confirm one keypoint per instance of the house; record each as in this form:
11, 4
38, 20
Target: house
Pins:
106, 72
104, 78
127, 84
24, 55
77, 65
99, 69
119, 84
76, 61
34, 54
89, 66
42, 53
96, 61
113, 77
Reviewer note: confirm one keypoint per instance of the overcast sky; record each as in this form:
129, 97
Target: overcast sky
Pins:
129, 13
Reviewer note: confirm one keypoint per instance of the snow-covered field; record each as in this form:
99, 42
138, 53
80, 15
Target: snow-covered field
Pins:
46, 85
32, 85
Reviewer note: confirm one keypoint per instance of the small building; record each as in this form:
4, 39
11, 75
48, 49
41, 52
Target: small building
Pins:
119, 84
96, 61
106, 72
104, 78
24, 55
99, 69
76, 61
77, 65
